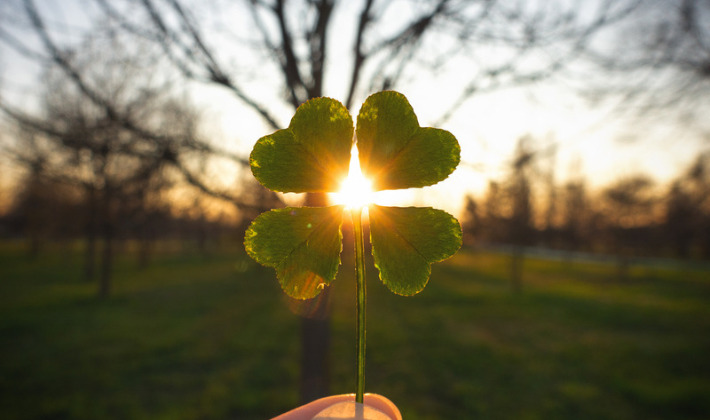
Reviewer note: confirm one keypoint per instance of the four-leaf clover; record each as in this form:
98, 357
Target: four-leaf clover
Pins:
303, 244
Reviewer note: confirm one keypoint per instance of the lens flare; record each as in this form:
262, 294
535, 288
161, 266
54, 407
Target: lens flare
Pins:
356, 190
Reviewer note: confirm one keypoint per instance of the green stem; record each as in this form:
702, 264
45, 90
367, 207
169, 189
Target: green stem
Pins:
361, 294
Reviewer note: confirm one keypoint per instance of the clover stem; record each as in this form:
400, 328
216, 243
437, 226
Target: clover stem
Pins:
361, 300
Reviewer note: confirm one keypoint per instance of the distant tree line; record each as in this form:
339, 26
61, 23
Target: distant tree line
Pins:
45, 211
631, 217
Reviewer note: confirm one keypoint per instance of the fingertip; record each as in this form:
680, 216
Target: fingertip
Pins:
326, 407
383, 404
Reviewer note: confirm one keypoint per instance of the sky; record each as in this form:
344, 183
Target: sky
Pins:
587, 140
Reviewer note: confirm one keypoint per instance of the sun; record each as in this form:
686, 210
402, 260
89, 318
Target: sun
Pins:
355, 190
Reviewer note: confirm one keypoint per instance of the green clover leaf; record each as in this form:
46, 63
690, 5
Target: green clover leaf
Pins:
302, 244
406, 240
395, 152
313, 155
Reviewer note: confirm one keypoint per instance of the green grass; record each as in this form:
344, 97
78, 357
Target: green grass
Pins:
213, 338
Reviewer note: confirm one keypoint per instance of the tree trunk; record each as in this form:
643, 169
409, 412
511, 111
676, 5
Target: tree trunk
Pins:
315, 336
35, 244
90, 252
146, 238
145, 247
516, 269
315, 349
622, 268
107, 254
106, 262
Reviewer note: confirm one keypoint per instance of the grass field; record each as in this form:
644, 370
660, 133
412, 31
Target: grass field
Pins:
213, 338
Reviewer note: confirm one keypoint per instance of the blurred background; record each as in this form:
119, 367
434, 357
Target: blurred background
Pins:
583, 287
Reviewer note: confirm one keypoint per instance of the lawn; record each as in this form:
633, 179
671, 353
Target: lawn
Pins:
194, 337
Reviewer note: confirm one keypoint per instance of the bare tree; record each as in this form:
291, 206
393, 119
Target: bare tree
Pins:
296, 51
472, 222
575, 215
629, 207
657, 67
521, 231
687, 210
91, 89
38, 205
76, 143
495, 215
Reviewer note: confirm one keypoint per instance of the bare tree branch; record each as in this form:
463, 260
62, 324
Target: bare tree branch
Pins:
289, 63
359, 55
317, 40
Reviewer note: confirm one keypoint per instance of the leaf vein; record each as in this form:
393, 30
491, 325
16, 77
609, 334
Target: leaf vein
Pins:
396, 231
